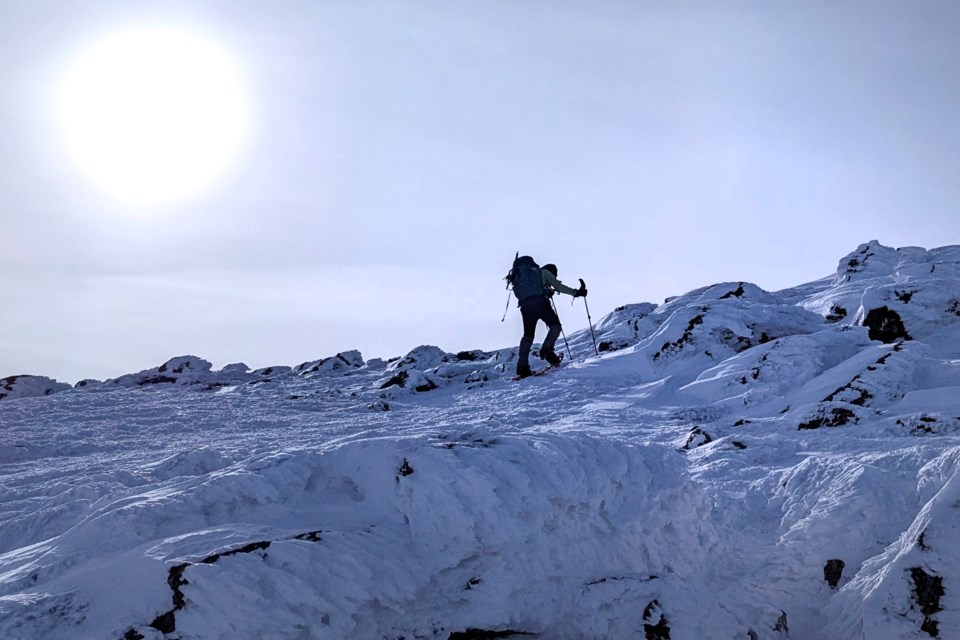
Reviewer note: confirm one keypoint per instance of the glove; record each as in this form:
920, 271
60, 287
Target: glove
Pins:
582, 291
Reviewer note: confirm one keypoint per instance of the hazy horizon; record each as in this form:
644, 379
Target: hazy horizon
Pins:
395, 156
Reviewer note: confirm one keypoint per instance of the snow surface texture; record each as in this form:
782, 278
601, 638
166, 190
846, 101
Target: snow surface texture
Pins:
735, 464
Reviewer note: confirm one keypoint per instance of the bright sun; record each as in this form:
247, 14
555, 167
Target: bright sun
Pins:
154, 115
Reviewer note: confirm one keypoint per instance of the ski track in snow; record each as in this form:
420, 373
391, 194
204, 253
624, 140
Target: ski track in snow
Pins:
730, 452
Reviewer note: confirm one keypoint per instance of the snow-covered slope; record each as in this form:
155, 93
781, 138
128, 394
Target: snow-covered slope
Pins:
736, 464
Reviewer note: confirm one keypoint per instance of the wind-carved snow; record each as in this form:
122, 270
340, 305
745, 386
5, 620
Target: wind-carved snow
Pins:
736, 464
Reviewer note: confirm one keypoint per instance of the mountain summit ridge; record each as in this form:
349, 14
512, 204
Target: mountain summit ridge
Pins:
872, 279
736, 463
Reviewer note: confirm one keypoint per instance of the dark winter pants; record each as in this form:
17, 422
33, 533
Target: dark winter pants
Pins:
532, 310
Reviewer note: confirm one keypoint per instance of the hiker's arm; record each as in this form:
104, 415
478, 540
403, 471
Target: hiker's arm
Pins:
551, 280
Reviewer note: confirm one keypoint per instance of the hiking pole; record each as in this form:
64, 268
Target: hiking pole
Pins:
507, 308
562, 332
589, 319
509, 280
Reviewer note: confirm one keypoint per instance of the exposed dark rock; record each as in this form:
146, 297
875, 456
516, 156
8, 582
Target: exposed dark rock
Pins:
658, 630
781, 625
885, 325
429, 386
697, 438
687, 337
836, 417
606, 345
954, 308
904, 296
927, 591
167, 622
837, 313
6, 384
738, 444
471, 583
922, 542
833, 571
731, 294
476, 376
34, 386
465, 440
405, 468
485, 634
344, 360
472, 356
399, 380
309, 536
155, 380
247, 548
852, 393
921, 425
620, 578
741, 422
732, 340
856, 264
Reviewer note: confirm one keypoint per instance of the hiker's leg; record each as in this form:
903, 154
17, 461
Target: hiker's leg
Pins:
550, 342
530, 318
547, 350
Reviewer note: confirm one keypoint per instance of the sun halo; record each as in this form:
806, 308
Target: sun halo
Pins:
154, 115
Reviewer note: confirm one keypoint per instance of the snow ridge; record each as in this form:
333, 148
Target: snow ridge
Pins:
736, 463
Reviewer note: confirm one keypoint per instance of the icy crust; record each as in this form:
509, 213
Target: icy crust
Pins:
386, 538
904, 592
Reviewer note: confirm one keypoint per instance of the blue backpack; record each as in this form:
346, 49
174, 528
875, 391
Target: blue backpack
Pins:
526, 278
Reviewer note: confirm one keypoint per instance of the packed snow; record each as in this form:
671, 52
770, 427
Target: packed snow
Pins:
735, 463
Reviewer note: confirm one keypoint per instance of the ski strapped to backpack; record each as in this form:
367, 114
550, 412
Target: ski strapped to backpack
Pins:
525, 278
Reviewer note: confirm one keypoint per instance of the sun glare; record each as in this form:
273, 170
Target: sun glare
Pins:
153, 116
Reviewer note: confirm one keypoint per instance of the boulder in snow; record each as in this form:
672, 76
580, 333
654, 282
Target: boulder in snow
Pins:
25, 386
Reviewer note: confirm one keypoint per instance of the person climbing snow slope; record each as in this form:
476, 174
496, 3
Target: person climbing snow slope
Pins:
534, 287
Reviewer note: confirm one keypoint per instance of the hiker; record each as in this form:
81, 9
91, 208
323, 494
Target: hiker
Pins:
534, 287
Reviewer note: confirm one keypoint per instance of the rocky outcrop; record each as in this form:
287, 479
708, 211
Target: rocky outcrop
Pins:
885, 325
29, 386
927, 592
340, 363
833, 571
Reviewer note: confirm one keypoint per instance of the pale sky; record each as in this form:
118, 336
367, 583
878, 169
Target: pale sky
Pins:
397, 155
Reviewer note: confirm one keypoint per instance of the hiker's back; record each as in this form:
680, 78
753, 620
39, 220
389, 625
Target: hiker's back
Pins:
526, 278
